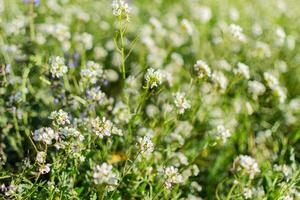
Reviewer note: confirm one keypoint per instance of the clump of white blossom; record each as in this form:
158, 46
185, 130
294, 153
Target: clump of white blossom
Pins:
248, 164
145, 145
256, 88
153, 78
103, 174
236, 32
121, 9
172, 176
92, 73
222, 134
181, 102
274, 85
242, 70
202, 69
46, 135
57, 66
101, 127
60, 117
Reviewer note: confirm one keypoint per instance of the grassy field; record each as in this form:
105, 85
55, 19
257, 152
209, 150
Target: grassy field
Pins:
150, 100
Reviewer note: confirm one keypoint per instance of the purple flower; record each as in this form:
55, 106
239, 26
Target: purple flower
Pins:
8, 68
36, 2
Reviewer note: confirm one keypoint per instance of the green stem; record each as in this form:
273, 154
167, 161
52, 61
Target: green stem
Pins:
31, 23
122, 48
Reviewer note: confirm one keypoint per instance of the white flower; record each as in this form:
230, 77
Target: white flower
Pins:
273, 83
45, 169
186, 26
222, 133
181, 103
153, 78
145, 145
103, 174
95, 94
101, 127
92, 73
60, 117
280, 93
121, 112
220, 79
120, 8
172, 176
242, 70
256, 88
262, 50
71, 132
247, 193
45, 134
41, 157
57, 66
236, 32
85, 39
202, 69
247, 163
271, 80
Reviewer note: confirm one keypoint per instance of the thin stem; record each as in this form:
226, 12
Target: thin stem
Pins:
31, 23
122, 48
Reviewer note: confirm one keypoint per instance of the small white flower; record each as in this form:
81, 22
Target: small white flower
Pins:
145, 145
247, 193
271, 80
153, 78
45, 134
186, 26
280, 93
92, 73
256, 88
41, 157
45, 169
120, 8
247, 163
58, 67
242, 70
60, 117
202, 69
95, 94
236, 32
101, 127
172, 176
222, 133
220, 79
103, 174
181, 103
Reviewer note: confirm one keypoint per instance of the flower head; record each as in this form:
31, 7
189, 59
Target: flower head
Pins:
172, 176
153, 78
103, 174
57, 66
202, 69
247, 163
181, 102
121, 9
60, 117
145, 145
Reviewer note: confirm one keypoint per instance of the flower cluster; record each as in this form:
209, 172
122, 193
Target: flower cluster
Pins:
153, 78
103, 174
172, 176
121, 9
202, 70
60, 117
247, 163
58, 67
181, 103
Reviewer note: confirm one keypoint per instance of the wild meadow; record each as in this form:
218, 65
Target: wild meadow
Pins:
150, 99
